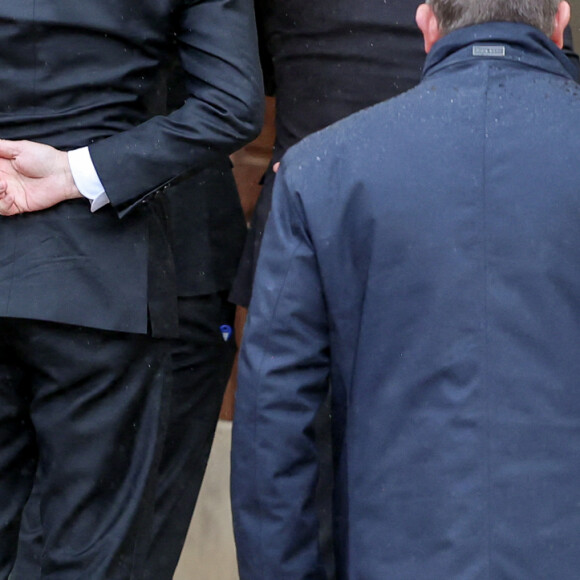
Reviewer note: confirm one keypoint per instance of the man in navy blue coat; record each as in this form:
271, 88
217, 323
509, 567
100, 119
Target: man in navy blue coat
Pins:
423, 257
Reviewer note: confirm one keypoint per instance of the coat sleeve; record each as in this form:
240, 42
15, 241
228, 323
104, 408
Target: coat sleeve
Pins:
283, 378
223, 110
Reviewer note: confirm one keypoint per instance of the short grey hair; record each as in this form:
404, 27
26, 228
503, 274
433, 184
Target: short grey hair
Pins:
453, 14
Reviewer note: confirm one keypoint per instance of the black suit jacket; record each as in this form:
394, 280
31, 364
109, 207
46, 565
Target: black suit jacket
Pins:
77, 73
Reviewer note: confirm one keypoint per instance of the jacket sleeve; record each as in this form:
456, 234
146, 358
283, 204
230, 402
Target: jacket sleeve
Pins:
283, 378
223, 110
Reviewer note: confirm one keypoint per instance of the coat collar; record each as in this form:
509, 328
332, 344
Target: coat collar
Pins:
501, 41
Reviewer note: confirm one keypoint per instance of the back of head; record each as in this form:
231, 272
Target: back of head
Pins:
453, 14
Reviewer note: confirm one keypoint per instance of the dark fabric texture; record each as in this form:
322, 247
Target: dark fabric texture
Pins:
206, 230
423, 254
82, 408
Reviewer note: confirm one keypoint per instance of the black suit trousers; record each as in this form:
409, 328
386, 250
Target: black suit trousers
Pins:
82, 409
201, 365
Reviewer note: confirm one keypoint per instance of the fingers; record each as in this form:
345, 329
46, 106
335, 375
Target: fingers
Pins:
7, 205
8, 149
276, 166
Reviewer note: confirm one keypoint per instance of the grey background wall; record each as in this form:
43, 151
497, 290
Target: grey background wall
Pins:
575, 5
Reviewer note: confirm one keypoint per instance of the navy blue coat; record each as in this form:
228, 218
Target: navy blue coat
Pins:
424, 255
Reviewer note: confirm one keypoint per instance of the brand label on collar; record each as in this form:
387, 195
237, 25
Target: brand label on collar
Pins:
488, 50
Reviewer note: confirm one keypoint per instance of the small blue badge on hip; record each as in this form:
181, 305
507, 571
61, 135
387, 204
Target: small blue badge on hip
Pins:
226, 331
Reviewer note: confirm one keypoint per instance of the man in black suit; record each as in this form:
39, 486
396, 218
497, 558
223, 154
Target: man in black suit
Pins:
85, 297
206, 231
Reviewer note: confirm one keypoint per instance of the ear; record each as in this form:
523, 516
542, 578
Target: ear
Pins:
427, 23
561, 20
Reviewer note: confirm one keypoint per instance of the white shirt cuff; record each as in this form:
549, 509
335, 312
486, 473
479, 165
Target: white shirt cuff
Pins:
86, 178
